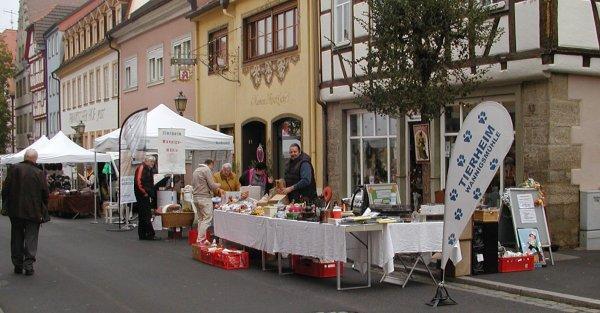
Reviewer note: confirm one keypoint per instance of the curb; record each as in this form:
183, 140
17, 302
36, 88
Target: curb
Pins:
531, 292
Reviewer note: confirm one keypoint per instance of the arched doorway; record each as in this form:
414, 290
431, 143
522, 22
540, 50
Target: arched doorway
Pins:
286, 131
253, 134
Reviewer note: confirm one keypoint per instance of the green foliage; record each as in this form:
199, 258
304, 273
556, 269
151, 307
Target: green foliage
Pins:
6, 72
420, 56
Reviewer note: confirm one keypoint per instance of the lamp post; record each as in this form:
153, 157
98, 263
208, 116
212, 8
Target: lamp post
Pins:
180, 102
79, 130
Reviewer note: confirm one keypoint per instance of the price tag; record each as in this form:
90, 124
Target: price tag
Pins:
479, 257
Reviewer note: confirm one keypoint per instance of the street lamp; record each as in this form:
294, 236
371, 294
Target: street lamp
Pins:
180, 102
79, 130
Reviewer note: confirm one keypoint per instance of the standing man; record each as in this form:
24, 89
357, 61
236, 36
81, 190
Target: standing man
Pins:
145, 195
204, 185
299, 176
26, 195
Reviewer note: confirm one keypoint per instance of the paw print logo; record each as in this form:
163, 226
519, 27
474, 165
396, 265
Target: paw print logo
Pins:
494, 164
452, 239
453, 195
467, 136
461, 160
477, 194
482, 117
458, 214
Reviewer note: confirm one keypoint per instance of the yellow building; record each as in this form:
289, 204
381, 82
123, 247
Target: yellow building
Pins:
256, 78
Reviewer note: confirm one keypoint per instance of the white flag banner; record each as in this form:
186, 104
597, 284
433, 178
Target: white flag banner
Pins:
482, 143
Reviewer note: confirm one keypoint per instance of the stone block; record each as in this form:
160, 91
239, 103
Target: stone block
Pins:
564, 113
559, 86
564, 157
555, 176
537, 135
559, 135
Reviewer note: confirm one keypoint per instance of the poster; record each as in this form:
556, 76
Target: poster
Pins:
383, 194
421, 137
528, 216
171, 151
525, 201
529, 239
482, 143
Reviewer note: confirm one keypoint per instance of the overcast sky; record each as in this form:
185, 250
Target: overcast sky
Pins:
7, 5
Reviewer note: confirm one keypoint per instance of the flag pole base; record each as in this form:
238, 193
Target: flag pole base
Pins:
442, 297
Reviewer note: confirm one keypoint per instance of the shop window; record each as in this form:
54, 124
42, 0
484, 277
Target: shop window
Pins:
371, 149
217, 51
271, 31
505, 176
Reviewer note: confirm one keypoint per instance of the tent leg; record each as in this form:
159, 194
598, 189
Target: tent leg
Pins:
95, 190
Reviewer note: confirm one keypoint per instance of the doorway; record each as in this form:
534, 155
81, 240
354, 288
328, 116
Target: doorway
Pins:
253, 134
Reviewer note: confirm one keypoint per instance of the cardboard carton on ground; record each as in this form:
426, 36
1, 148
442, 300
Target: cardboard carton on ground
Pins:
279, 197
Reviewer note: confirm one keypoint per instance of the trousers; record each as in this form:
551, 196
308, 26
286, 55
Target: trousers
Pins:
204, 206
23, 242
145, 229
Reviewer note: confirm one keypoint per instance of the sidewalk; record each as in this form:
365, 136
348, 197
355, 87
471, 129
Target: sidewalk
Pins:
573, 279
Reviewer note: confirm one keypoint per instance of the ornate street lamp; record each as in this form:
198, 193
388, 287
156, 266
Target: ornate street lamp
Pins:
180, 103
79, 130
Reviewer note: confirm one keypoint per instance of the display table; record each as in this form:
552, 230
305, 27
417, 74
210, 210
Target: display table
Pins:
73, 204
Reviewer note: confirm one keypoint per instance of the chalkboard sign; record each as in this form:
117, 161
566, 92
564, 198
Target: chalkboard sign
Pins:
525, 214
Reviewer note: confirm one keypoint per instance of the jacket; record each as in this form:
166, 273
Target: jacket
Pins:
230, 183
26, 192
144, 183
301, 175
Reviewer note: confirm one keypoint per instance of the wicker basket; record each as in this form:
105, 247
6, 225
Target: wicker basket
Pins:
183, 219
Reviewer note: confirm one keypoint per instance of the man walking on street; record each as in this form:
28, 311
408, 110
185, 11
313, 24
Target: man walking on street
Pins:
145, 195
26, 195
204, 185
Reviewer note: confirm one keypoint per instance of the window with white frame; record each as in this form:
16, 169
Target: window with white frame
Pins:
130, 73
115, 82
98, 80
79, 93
371, 149
73, 93
342, 21
94, 33
180, 48
85, 88
155, 65
92, 87
106, 81
505, 177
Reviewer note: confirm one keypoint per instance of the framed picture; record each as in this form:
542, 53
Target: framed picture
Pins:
529, 240
421, 137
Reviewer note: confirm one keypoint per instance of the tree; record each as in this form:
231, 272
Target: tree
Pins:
6, 72
421, 54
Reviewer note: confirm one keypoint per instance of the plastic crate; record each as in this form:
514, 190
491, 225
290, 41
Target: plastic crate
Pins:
308, 267
515, 264
232, 260
193, 236
201, 253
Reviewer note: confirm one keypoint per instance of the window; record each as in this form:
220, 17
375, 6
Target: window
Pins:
130, 73
342, 17
271, 31
155, 65
94, 33
79, 93
115, 82
106, 81
371, 149
85, 89
217, 50
181, 49
98, 90
56, 43
505, 177
92, 87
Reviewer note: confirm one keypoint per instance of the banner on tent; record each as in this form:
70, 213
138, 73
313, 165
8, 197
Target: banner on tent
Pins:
171, 150
482, 143
132, 152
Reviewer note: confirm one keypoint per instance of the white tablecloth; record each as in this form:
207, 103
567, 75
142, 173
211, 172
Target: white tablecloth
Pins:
327, 241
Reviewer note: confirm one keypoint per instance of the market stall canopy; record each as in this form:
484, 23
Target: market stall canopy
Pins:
19, 156
197, 137
60, 149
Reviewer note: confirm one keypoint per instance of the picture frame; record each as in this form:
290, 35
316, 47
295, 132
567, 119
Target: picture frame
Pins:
421, 139
529, 241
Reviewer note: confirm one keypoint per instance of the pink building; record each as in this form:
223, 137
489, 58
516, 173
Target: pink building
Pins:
154, 32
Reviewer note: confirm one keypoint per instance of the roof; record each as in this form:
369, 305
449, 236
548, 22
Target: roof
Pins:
37, 9
55, 15
78, 14
138, 13
203, 7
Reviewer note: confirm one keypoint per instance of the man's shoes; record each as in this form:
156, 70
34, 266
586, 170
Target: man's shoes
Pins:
18, 270
29, 272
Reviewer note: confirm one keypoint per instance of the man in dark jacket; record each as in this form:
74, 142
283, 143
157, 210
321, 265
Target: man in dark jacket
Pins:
299, 176
145, 195
26, 195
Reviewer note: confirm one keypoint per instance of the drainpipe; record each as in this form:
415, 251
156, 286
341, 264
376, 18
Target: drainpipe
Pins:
109, 38
317, 79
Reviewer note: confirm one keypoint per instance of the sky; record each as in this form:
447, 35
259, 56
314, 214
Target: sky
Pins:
7, 5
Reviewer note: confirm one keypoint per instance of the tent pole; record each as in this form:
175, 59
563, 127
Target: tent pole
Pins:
95, 189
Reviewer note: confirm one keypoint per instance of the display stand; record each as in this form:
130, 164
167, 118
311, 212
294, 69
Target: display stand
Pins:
442, 297
527, 215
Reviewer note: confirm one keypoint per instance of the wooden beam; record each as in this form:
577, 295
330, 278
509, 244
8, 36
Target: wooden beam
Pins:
596, 19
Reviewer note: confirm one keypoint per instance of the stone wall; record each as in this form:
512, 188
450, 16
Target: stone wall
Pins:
549, 156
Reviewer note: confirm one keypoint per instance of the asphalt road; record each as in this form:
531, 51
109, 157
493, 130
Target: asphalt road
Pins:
82, 267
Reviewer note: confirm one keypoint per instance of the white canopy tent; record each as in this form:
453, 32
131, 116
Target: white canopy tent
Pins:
19, 156
197, 137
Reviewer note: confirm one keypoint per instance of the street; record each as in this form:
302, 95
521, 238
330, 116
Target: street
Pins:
82, 267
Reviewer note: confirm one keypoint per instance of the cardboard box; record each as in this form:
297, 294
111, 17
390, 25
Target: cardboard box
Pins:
468, 232
276, 198
486, 216
463, 268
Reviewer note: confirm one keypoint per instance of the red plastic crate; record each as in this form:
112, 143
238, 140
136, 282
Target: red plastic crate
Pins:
308, 267
232, 260
515, 264
193, 236
200, 253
